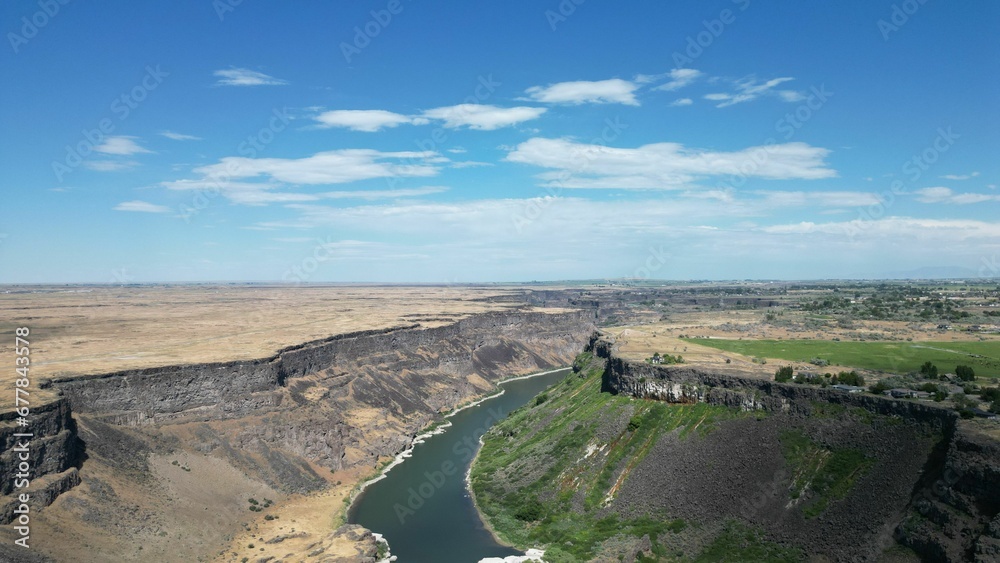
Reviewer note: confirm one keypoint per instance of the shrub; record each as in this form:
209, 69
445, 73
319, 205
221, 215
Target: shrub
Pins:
819, 362
634, 423
530, 511
929, 387
783, 374
541, 399
929, 370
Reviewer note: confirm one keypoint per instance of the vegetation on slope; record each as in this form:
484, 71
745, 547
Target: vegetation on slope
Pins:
820, 474
547, 474
896, 357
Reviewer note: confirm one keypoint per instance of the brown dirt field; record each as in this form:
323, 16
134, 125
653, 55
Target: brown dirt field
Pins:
78, 330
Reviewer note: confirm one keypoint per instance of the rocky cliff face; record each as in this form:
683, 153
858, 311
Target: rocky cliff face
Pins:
54, 452
953, 511
286, 421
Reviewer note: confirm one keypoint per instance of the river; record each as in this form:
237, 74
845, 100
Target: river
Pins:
422, 507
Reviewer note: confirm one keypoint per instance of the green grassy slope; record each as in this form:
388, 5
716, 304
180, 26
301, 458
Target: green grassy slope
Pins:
895, 357
542, 479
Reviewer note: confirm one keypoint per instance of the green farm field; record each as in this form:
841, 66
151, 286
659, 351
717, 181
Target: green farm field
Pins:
894, 357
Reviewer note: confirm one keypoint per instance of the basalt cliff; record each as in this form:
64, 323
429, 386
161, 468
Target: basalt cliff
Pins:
158, 464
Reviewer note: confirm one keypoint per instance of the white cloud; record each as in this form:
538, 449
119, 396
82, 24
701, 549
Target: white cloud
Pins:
682, 102
385, 194
482, 117
679, 78
821, 199
245, 77
749, 89
329, 167
933, 195
179, 136
613, 91
120, 145
469, 164
259, 193
946, 195
663, 165
365, 120
960, 176
942, 230
109, 165
141, 206
557, 237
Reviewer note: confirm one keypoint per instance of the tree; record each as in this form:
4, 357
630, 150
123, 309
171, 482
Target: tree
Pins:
929, 370
879, 388
995, 407
965, 373
783, 374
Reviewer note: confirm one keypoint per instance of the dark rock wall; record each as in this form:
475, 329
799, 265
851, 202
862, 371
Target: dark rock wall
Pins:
953, 513
274, 416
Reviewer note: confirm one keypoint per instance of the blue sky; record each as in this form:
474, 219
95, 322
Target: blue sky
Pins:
403, 141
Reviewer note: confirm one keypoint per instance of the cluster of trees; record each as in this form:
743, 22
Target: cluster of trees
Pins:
848, 378
786, 373
964, 373
665, 359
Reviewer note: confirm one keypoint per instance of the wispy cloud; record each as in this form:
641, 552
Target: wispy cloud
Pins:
946, 195
663, 165
370, 120
682, 102
960, 176
179, 136
613, 91
120, 145
109, 165
483, 117
748, 89
679, 78
245, 77
329, 167
141, 207
385, 194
